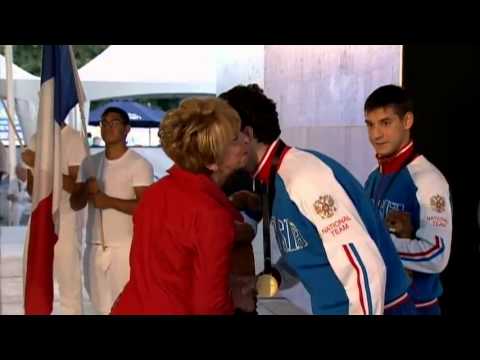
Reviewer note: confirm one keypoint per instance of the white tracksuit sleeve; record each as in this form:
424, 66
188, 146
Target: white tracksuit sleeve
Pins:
430, 250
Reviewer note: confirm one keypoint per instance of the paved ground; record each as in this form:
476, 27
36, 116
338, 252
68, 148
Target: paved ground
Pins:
11, 283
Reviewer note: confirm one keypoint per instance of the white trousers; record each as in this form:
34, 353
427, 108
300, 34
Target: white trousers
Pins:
106, 273
67, 264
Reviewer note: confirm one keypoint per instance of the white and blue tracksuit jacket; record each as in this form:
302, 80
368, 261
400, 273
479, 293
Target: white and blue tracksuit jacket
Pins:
330, 235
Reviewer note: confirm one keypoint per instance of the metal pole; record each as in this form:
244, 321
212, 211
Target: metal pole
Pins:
12, 148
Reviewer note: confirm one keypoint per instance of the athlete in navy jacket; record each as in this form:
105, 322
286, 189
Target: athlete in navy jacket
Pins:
411, 194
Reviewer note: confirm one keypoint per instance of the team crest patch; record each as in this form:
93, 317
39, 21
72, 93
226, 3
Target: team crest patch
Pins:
325, 206
438, 203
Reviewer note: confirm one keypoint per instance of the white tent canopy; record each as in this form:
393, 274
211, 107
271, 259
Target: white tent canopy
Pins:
134, 70
26, 85
160, 70
18, 72
125, 71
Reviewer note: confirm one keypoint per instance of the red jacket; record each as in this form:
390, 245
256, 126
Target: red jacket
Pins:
181, 251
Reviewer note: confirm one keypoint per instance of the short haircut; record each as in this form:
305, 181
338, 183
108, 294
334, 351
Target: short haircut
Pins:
123, 114
390, 95
256, 110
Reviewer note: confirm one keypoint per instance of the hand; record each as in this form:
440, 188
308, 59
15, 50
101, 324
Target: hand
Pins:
409, 273
12, 197
246, 200
249, 288
400, 223
21, 173
243, 232
244, 292
92, 186
28, 157
100, 200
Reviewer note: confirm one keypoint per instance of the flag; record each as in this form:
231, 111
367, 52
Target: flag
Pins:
60, 91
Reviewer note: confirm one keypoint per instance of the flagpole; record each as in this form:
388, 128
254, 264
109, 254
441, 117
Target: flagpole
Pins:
12, 124
1, 267
12, 148
81, 101
80, 93
10, 109
84, 128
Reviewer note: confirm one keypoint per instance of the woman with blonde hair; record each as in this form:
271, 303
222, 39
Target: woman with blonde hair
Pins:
184, 226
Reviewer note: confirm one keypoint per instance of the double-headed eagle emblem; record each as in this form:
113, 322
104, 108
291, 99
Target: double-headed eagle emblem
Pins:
325, 206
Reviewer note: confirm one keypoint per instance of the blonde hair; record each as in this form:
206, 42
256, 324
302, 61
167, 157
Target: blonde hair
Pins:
196, 133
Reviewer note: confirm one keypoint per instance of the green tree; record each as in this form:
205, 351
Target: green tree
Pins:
29, 57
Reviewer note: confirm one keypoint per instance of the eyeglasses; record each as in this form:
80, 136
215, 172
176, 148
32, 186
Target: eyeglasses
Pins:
111, 124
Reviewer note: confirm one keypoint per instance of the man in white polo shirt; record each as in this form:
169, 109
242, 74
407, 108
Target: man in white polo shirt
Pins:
111, 182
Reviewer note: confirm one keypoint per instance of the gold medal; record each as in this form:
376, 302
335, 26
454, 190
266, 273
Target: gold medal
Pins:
267, 285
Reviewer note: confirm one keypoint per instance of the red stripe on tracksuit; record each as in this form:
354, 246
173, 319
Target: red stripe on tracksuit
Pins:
357, 270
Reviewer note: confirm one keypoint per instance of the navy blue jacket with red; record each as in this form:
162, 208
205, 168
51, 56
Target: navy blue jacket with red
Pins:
408, 182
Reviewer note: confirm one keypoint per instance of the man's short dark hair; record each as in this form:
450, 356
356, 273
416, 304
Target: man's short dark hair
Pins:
123, 114
390, 95
256, 110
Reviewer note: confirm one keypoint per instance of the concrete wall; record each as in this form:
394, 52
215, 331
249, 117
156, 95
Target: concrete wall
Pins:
239, 64
320, 92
